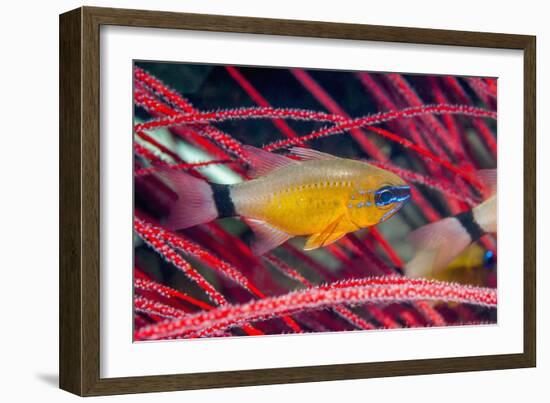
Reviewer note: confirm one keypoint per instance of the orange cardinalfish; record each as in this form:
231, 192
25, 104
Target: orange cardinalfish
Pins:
439, 243
475, 266
321, 196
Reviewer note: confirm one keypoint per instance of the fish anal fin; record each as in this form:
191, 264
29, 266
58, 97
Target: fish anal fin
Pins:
266, 237
263, 162
310, 154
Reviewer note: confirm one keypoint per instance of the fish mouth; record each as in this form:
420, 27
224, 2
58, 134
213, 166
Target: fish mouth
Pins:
403, 193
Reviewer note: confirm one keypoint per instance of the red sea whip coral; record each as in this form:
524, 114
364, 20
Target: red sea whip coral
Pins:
228, 290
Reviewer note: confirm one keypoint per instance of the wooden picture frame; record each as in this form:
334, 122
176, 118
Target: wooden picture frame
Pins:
80, 199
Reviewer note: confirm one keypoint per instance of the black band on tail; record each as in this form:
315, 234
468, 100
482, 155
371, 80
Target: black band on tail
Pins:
222, 199
469, 224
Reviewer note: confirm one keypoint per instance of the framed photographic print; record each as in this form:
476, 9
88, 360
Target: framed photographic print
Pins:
250, 201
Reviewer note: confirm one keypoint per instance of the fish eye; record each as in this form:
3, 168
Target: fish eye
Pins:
391, 194
489, 259
384, 196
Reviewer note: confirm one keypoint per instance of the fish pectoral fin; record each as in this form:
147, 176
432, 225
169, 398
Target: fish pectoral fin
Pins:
330, 234
317, 240
266, 237
310, 154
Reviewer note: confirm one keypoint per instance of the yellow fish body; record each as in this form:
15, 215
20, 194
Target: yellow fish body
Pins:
472, 266
321, 195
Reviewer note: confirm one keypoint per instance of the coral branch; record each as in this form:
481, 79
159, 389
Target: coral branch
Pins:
425, 153
341, 310
151, 307
149, 285
331, 105
163, 90
149, 234
225, 141
387, 289
308, 115
412, 99
148, 155
182, 166
162, 148
259, 99
188, 247
339, 128
482, 90
480, 125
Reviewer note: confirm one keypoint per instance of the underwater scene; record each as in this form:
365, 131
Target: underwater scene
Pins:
276, 201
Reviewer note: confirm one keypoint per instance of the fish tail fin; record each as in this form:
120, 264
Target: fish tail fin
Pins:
436, 244
195, 204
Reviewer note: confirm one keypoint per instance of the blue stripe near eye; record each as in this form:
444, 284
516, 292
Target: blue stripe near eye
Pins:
391, 194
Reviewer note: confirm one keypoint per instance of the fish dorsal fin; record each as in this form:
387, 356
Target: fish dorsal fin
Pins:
263, 162
310, 154
328, 235
489, 178
266, 236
